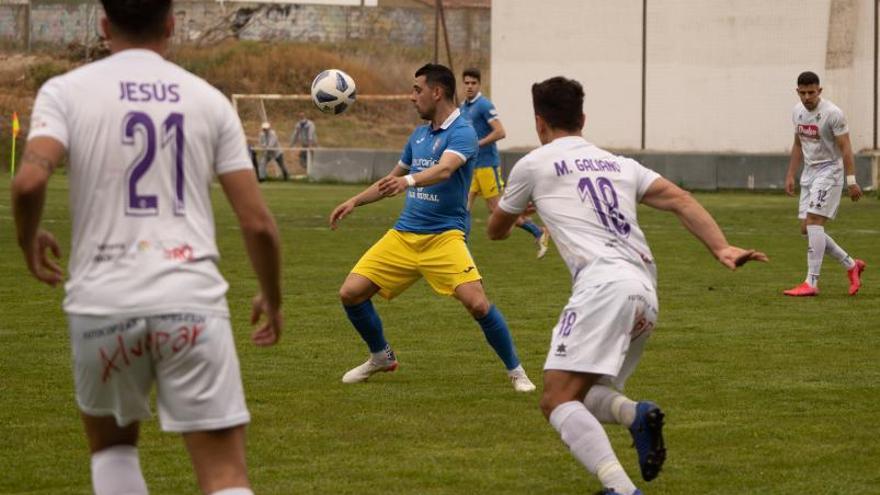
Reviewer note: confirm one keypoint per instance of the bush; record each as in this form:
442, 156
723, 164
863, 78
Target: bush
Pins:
39, 73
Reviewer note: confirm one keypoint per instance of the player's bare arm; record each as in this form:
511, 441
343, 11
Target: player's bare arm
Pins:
497, 133
849, 166
39, 160
664, 195
263, 247
501, 224
369, 195
448, 164
794, 164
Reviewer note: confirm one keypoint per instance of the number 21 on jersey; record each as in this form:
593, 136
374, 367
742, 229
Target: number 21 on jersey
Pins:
140, 203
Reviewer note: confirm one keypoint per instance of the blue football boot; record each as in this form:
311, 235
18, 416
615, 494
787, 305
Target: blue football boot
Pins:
609, 491
647, 434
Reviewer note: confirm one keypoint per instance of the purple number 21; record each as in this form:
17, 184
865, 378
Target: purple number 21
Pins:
172, 136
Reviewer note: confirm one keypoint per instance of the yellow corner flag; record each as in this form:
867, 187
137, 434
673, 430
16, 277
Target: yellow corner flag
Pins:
16, 128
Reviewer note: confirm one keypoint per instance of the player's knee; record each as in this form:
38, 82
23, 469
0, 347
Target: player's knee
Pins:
548, 403
350, 296
478, 308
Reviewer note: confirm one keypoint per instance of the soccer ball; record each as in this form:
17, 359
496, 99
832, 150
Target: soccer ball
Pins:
333, 91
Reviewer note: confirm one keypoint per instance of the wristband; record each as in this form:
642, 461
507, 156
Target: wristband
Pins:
411, 181
851, 180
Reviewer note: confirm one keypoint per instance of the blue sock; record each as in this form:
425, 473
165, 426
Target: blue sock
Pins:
498, 336
531, 228
367, 322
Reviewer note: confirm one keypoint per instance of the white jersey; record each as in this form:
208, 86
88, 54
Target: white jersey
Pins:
145, 139
817, 130
587, 197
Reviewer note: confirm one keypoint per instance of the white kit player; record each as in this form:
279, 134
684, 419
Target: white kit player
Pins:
821, 141
145, 300
587, 197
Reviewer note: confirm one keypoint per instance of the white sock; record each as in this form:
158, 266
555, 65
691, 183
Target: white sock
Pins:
234, 491
117, 471
589, 444
835, 251
610, 406
815, 252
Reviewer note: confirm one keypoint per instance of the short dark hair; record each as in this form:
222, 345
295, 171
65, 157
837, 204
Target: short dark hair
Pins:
472, 72
807, 78
560, 102
436, 74
138, 20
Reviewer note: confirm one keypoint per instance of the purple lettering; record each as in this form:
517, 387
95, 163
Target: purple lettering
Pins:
561, 168
130, 89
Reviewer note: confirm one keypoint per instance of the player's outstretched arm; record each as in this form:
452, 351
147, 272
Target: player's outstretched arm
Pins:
849, 166
666, 196
501, 224
794, 162
393, 185
369, 195
40, 158
264, 250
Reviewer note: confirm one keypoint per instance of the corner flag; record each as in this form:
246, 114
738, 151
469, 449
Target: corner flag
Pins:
16, 128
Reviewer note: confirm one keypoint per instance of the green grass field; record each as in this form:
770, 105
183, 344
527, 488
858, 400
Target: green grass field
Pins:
763, 394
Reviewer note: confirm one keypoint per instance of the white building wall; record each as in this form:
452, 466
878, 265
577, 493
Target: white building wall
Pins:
596, 42
720, 74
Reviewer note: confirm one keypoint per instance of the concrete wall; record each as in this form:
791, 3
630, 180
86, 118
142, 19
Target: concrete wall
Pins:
720, 75
208, 21
696, 171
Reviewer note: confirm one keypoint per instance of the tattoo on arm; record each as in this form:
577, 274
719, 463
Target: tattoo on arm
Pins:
34, 158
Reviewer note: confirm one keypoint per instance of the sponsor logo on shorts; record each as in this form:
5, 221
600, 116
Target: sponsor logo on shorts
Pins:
118, 354
468, 269
561, 350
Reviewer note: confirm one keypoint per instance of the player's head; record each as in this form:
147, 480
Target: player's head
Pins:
559, 107
808, 89
472, 80
266, 126
434, 84
138, 21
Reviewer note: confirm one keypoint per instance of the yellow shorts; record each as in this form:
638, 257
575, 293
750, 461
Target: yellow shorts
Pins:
487, 182
399, 259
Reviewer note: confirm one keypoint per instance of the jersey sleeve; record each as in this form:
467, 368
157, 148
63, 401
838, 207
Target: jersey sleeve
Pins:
518, 191
838, 124
230, 150
462, 142
406, 155
644, 178
49, 116
488, 111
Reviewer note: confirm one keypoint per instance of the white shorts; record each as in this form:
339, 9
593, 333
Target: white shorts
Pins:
603, 330
190, 356
821, 188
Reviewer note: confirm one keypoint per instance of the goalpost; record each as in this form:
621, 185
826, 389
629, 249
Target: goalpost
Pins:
282, 109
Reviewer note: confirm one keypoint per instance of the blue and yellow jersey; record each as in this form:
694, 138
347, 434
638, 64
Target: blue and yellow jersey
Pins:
480, 111
442, 206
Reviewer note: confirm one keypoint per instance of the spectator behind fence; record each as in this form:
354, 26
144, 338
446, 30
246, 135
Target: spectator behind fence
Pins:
304, 136
271, 150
